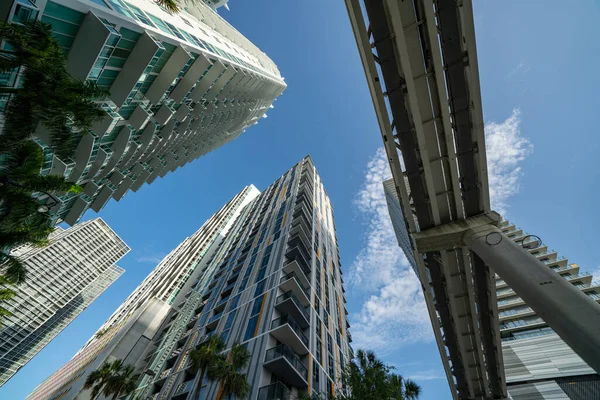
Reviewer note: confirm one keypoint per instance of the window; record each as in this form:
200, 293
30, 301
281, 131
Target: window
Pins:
24, 14
140, 15
175, 31
251, 328
254, 318
234, 302
160, 24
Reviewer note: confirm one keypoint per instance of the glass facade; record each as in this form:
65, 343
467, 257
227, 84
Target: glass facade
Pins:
64, 278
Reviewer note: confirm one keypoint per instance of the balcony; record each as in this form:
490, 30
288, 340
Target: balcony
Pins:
228, 289
182, 390
300, 230
286, 330
276, 391
306, 225
291, 282
301, 254
285, 364
288, 303
299, 240
300, 271
214, 321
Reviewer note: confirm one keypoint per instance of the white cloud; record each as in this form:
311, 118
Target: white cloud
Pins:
394, 310
151, 258
427, 375
596, 273
505, 149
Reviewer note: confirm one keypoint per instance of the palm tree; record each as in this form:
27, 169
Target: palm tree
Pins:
65, 106
204, 357
368, 378
170, 6
403, 389
227, 372
20, 219
32, 44
99, 378
123, 382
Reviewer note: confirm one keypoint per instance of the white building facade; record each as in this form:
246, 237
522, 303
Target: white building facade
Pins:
126, 333
181, 85
63, 278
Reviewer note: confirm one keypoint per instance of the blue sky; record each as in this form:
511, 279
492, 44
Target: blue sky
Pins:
539, 78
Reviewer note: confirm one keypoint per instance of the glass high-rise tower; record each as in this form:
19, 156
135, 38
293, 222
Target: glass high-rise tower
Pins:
181, 85
63, 278
273, 283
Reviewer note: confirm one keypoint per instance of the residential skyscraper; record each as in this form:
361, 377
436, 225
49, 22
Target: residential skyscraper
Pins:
181, 85
274, 284
63, 278
538, 364
138, 318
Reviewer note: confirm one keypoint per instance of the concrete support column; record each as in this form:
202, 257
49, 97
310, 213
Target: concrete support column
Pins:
574, 316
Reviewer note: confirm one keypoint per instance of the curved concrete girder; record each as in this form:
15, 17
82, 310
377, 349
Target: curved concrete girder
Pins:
163, 115
167, 75
117, 148
101, 156
102, 198
88, 43
207, 80
122, 188
219, 84
82, 154
231, 85
196, 70
166, 133
132, 70
76, 211
140, 117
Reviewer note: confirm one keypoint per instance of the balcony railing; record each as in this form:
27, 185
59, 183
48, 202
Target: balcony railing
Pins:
276, 391
184, 387
293, 275
287, 319
282, 350
292, 296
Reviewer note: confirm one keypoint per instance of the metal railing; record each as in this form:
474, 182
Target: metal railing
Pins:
283, 350
292, 275
276, 391
291, 295
287, 319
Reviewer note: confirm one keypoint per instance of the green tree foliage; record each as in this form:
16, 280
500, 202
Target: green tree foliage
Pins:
48, 96
227, 371
112, 379
368, 378
122, 383
204, 357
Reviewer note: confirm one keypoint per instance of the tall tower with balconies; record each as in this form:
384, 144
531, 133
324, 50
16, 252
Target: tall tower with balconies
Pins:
181, 85
276, 286
265, 272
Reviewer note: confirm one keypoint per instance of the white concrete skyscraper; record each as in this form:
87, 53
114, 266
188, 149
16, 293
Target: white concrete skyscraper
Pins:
63, 278
181, 85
